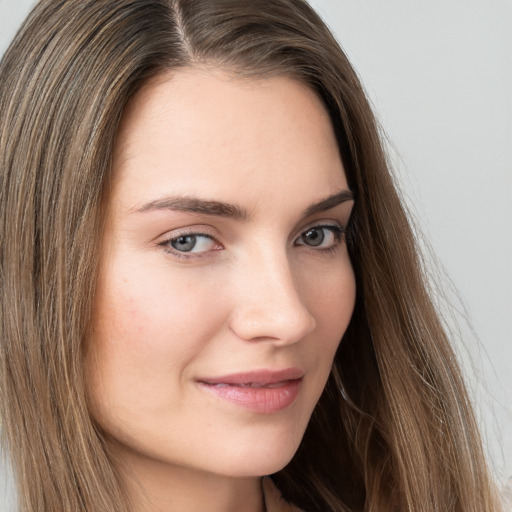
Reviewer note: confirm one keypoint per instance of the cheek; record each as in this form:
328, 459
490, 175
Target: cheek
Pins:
153, 309
145, 334
331, 301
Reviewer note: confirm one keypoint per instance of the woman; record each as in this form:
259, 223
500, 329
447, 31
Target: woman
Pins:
196, 209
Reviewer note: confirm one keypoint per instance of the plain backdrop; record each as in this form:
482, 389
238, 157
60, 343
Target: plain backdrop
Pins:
439, 75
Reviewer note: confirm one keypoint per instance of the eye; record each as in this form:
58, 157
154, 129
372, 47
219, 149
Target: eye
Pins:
321, 237
190, 243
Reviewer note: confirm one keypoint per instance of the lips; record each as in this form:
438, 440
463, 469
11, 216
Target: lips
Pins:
257, 378
264, 391
250, 385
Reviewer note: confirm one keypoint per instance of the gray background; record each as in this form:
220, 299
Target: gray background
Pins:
439, 74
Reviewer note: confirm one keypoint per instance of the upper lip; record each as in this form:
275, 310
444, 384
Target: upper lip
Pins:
262, 377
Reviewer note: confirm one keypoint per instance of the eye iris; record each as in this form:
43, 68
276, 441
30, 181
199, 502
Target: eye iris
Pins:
314, 237
184, 243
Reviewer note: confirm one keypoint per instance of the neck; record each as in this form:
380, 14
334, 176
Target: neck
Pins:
154, 486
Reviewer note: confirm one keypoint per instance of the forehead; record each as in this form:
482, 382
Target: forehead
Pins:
202, 128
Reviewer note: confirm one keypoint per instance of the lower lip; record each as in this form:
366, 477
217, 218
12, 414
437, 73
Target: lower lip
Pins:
263, 399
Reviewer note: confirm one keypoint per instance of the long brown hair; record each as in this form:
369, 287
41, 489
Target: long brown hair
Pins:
394, 429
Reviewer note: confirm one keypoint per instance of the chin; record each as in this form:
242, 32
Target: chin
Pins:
261, 458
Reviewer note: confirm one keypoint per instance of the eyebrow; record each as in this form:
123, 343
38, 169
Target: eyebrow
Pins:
329, 202
189, 204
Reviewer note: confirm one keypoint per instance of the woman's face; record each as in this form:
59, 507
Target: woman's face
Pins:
225, 284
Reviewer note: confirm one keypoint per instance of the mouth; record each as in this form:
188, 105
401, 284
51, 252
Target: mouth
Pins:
263, 391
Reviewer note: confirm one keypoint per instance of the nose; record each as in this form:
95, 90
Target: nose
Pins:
268, 303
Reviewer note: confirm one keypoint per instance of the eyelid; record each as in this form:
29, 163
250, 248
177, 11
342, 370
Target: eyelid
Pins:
164, 242
321, 223
335, 227
332, 227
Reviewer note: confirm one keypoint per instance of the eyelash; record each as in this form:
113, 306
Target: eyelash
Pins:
337, 231
166, 245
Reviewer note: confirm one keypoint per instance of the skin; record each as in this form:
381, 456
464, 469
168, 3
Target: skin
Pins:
253, 293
